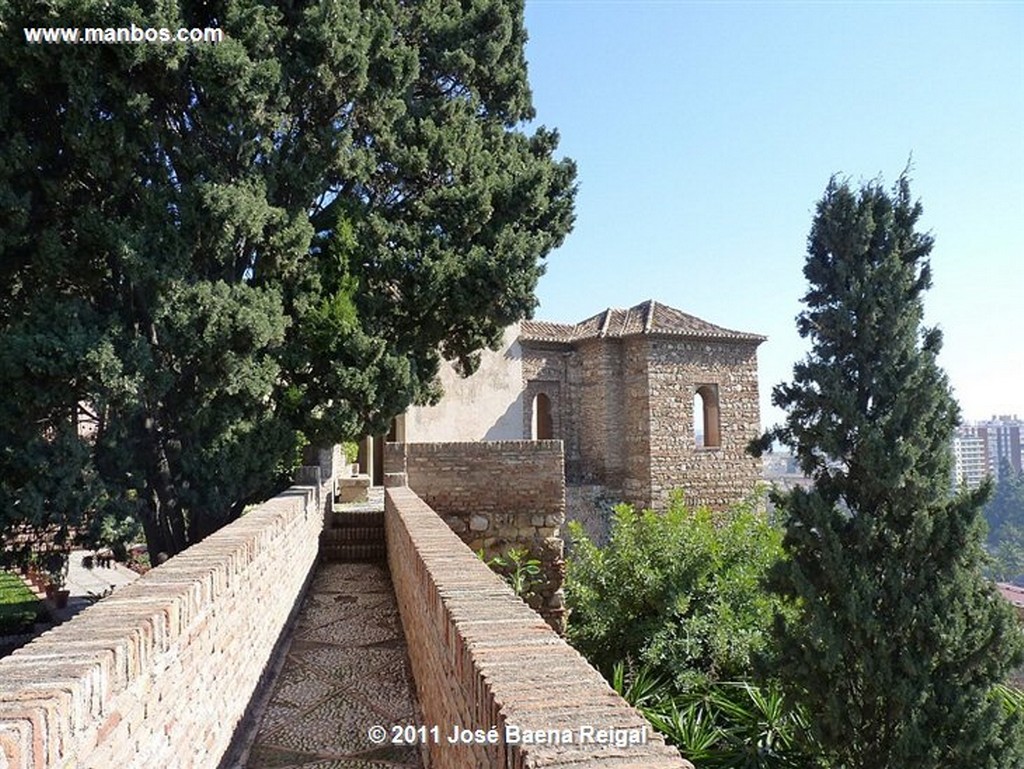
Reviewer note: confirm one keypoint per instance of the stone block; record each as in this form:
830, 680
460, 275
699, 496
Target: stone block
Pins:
353, 488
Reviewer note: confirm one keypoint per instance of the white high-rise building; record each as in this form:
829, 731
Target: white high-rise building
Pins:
985, 448
970, 458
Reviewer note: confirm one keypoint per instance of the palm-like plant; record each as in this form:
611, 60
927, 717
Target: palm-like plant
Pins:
729, 725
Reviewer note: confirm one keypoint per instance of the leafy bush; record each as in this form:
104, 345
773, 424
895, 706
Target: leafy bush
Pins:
351, 451
679, 592
116, 533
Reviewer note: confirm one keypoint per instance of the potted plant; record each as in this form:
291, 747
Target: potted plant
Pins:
57, 571
35, 572
351, 451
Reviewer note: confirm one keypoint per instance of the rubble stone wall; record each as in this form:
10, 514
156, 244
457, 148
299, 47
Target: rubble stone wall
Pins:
718, 476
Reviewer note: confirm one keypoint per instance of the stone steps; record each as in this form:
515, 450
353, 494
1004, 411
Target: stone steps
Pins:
354, 536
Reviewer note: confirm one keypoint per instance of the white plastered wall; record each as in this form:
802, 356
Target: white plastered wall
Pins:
487, 406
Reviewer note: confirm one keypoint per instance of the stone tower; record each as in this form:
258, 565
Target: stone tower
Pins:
621, 389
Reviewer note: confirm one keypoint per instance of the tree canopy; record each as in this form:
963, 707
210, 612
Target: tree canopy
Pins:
899, 640
214, 254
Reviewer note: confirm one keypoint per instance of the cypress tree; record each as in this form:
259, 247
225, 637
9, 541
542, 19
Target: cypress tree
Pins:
217, 253
899, 640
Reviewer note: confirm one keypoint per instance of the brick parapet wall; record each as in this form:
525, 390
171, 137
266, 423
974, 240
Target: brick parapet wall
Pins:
496, 495
483, 660
161, 672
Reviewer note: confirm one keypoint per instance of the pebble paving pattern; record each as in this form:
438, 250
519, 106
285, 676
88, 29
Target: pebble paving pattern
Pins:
346, 670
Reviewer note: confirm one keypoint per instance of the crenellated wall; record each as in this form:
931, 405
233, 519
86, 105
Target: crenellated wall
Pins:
486, 663
161, 673
496, 495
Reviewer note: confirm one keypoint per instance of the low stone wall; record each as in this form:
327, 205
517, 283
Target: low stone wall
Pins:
161, 673
496, 495
484, 663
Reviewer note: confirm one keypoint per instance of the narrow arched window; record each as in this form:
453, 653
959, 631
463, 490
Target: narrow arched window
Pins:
543, 427
706, 421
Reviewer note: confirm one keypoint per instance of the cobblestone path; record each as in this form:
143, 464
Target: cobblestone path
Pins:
346, 670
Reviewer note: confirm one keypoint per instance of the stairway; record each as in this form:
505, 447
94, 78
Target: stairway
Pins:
355, 534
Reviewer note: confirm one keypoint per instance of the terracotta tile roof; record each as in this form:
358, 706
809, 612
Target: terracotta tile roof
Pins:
543, 331
1012, 593
647, 318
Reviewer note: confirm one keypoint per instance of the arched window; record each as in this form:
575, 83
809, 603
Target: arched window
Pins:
543, 427
706, 422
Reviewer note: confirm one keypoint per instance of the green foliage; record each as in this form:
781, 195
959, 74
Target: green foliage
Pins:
219, 253
55, 564
18, 607
520, 571
1004, 515
679, 592
1010, 698
110, 531
728, 724
899, 639
351, 451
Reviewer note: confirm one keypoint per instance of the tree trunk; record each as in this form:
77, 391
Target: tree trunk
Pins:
163, 519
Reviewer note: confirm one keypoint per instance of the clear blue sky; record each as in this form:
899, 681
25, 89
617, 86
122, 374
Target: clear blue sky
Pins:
706, 132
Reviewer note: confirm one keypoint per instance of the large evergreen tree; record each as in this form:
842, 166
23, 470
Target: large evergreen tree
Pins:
217, 253
899, 639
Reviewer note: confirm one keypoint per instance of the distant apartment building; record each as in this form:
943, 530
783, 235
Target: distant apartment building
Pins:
985, 448
1002, 443
970, 459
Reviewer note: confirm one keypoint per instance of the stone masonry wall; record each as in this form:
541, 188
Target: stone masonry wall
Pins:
635, 442
553, 370
717, 477
160, 674
483, 661
496, 496
601, 412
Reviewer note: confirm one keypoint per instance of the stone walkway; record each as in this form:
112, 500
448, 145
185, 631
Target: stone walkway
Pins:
346, 670
89, 585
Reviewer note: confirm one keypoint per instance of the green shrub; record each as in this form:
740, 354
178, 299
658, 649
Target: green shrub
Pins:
351, 451
679, 592
522, 573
